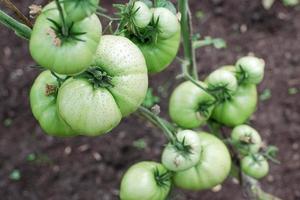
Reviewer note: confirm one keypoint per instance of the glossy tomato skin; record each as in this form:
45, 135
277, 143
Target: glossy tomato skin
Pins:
255, 166
139, 182
176, 160
143, 14
238, 109
77, 10
64, 56
246, 139
253, 68
94, 111
160, 54
185, 103
44, 106
212, 169
168, 23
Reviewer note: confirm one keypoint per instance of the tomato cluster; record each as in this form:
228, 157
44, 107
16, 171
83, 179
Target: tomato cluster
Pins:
92, 81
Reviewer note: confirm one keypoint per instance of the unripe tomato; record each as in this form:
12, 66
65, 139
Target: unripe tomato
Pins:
255, 166
168, 24
159, 54
222, 80
145, 181
246, 139
94, 102
212, 169
184, 154
77, 10
238, 109
190, 106
44, 108
250, 69
142, 14
70, 54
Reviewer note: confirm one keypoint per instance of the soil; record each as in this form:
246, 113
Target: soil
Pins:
83, 168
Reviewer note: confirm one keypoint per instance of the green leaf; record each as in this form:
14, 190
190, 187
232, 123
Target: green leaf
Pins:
168, 5
150, 99
31, 157
7, 122
139, 144
265, 95
293, 91
15, 175
200, 14
290, 2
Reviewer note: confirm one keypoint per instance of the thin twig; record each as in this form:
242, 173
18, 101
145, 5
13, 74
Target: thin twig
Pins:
17, 12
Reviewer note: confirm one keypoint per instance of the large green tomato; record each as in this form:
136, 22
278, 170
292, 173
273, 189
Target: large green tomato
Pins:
94, 102
212, 169
77, 10
184, 154
255, 166
70, 54
238, 109
160, 54
250, 70
190, 106
142, 14
246, 139
145, 181
43, 105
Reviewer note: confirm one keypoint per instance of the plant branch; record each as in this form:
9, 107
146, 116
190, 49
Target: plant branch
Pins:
17, 12
187, 34
159, 122
20, 29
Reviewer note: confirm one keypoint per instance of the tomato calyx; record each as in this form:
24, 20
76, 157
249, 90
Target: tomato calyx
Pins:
98, 77
242, 75
162, 179
58, 35
220, 92
204, 108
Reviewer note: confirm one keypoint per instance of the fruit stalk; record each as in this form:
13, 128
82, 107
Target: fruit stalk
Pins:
61, 13
20, 29
18, 13
187, 33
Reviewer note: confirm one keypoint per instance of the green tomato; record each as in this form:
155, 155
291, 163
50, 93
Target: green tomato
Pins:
190, 106
167, 22
222, 80
255, 166
77, 10
43, 105
70, 54
246, 139
212, 169
146, 181
142, 14
238, 109
250, 70
159, 54
94, 102
184, 154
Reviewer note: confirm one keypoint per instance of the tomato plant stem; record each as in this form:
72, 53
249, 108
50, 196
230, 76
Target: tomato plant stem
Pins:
187, 34
17, 12
61, 14
20, 29
160, 123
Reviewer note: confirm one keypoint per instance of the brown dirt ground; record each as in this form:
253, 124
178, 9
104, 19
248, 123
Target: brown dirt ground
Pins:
91, 168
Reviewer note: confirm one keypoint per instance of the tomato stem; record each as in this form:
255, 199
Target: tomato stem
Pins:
187, 34
62, 17
160, 123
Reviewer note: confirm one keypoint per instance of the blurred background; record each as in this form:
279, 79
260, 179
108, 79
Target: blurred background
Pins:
35, 166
